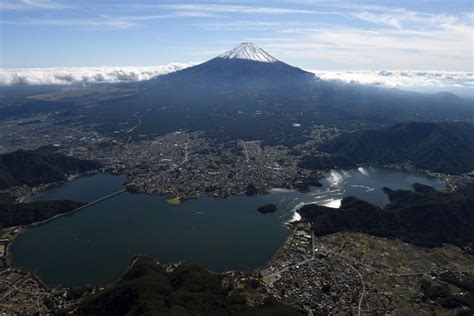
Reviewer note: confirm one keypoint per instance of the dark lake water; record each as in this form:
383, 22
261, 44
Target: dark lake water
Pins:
94, 245
85, 189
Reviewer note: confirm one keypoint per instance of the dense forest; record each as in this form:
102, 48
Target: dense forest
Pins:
33, 168
424, 217
37, 167
148, 289
13, 214
442, 147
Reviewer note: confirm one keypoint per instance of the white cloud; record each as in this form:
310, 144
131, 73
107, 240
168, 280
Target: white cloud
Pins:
94, 23
382, 38
448, 47
225, 8
461, 83
81, 75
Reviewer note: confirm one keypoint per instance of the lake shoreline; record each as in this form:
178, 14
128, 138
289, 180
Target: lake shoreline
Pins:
35, 191
23, 229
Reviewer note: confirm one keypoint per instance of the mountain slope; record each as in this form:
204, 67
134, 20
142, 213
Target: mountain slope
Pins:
148, 289
443, 147
246, 94
14, 214
249, 51
37, 167
246, 66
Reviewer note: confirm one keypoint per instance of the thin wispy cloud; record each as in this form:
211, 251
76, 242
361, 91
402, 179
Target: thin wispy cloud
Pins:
166, 11
401, 18
44, 4
93, 23
308, 33
225, 8
32, 5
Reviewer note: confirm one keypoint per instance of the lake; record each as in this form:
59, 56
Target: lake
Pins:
95, 244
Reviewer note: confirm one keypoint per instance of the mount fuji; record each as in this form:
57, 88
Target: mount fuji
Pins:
245, 93
248, 51
245, 66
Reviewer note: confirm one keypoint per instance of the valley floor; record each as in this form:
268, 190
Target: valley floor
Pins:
361, 274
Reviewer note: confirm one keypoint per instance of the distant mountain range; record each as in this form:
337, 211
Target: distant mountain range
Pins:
444, 147
424, 217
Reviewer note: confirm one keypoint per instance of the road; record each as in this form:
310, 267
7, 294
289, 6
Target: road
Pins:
138, 124
246, 151
186, 154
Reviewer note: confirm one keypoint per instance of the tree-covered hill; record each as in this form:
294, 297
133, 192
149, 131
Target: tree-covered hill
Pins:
424, 217
13, 214
148, 289
38, 167
443, 147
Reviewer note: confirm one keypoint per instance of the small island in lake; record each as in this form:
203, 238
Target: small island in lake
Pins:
267, 208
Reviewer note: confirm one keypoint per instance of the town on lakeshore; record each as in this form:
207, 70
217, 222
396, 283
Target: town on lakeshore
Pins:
340, 273
344, 273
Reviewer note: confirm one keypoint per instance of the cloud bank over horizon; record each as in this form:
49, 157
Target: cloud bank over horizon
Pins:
431, 81
84, 75
458, 82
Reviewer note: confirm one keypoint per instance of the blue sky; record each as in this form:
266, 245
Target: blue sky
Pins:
312, 34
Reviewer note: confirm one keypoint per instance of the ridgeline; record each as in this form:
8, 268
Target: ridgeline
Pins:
424, 217
41, 166
148, 289
441, 147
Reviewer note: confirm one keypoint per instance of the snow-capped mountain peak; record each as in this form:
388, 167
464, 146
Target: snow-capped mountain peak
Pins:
248, 51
